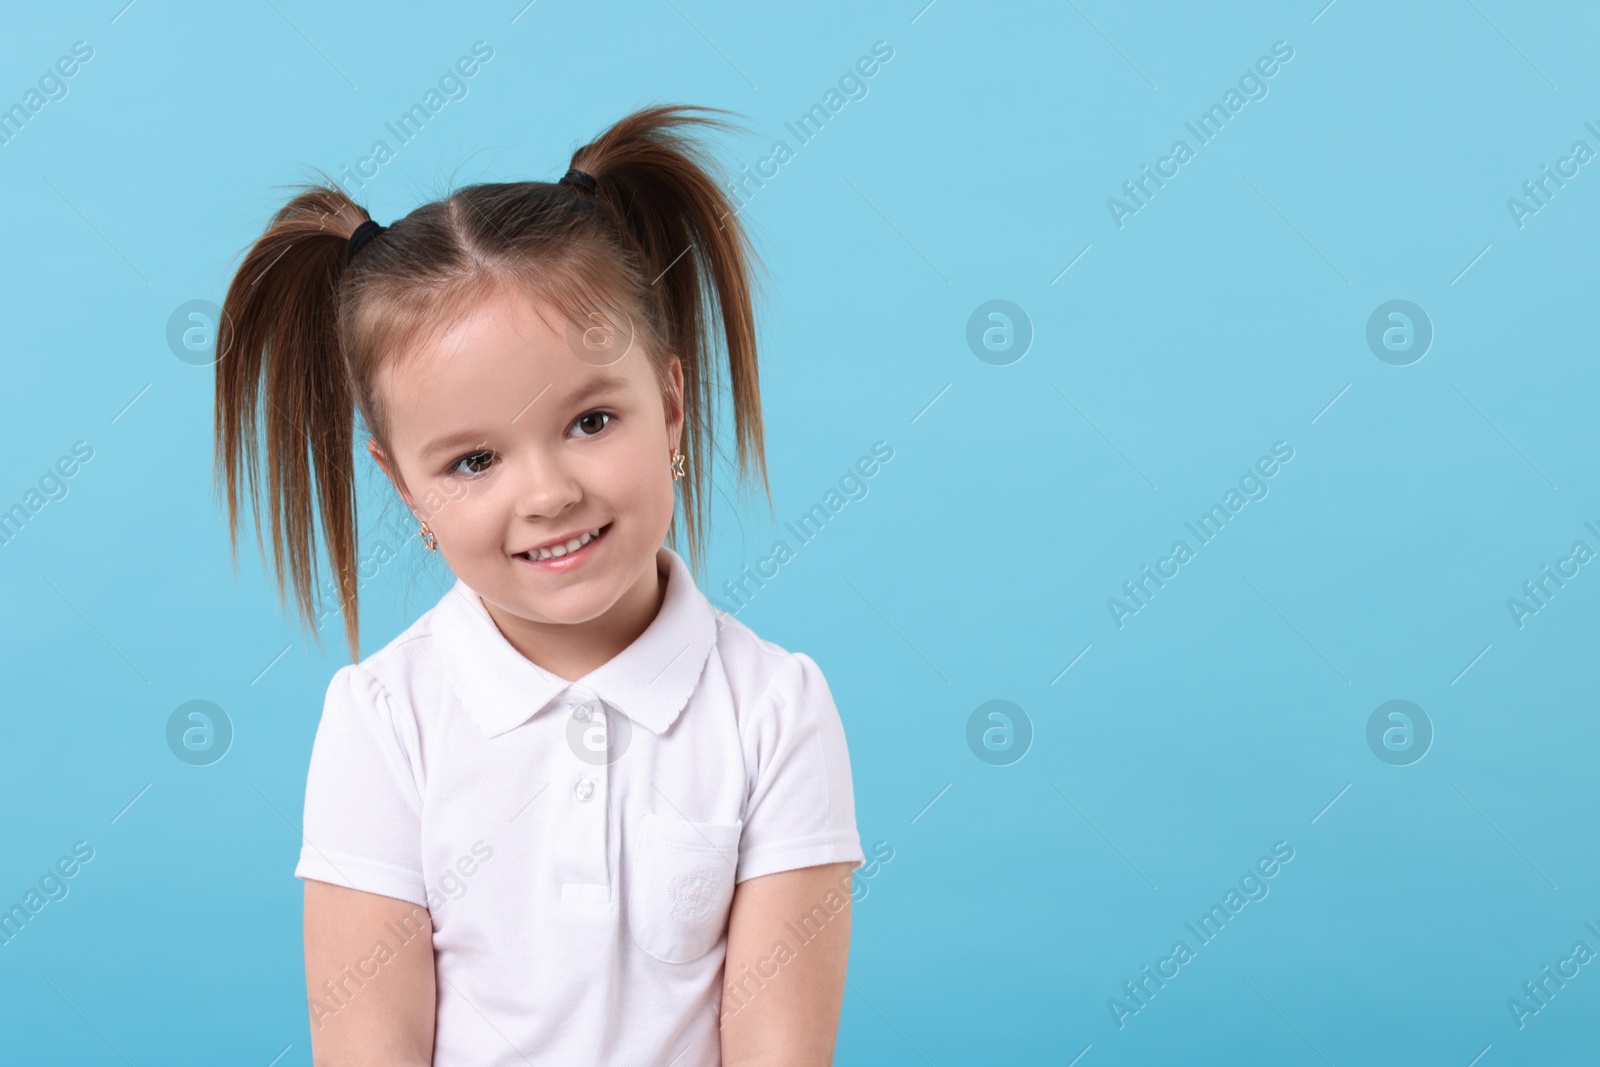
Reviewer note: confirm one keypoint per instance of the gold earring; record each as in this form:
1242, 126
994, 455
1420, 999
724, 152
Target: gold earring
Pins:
677, 464
429, 541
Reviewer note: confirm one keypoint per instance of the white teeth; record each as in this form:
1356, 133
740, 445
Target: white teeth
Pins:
561, 550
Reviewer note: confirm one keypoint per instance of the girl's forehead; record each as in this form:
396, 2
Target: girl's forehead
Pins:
500, 320
509, 326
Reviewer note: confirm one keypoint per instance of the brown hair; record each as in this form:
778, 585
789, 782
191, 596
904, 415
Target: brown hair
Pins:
304, 326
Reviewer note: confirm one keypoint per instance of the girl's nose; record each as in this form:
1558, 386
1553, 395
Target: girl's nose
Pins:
546, 486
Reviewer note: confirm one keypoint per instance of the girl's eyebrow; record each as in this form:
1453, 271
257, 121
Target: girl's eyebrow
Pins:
599, 384
452, 442
593, 386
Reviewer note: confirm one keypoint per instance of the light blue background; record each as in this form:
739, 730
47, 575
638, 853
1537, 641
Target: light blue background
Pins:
1223, 317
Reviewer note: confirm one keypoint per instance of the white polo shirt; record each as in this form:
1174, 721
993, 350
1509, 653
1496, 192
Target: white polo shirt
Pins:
577, 844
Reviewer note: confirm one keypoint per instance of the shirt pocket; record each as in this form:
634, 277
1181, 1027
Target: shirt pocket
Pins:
682, 886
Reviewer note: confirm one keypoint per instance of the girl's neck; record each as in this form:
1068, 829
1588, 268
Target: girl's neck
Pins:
570, 651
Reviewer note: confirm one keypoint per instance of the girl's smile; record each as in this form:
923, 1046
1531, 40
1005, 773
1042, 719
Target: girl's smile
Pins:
565, 553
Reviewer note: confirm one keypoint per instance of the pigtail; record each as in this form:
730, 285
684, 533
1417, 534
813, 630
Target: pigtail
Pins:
659, 188
281, 379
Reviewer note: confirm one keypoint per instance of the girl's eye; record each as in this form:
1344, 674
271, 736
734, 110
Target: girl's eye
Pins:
591, 418
475, 464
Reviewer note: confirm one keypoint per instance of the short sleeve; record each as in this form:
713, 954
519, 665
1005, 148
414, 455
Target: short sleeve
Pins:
363, 811
801, 807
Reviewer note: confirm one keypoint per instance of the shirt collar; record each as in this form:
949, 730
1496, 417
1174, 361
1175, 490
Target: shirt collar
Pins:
650, 681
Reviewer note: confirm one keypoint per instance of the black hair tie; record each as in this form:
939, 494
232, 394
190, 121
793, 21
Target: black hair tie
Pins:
578, 178
364, 233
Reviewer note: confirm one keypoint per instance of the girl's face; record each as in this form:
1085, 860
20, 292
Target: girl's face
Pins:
506, 440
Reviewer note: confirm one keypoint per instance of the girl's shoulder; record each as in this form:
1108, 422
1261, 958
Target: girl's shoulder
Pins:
408, 666
764, 675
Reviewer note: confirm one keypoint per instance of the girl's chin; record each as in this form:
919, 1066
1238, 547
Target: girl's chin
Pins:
562, 609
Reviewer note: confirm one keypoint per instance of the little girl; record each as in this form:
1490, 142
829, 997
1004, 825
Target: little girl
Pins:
572, 814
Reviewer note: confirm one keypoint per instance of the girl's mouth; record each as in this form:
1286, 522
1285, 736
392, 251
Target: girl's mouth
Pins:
546, 560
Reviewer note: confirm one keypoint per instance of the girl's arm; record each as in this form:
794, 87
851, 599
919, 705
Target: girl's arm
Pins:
369, 1005
781, 996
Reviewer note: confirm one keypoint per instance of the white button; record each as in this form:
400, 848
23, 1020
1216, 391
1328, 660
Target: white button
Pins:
584, 789
581, 712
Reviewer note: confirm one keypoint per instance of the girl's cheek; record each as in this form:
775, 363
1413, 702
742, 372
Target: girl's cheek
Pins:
459, 510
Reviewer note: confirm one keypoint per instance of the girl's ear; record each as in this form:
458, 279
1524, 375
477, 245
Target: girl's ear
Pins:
674, 399
383, 462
